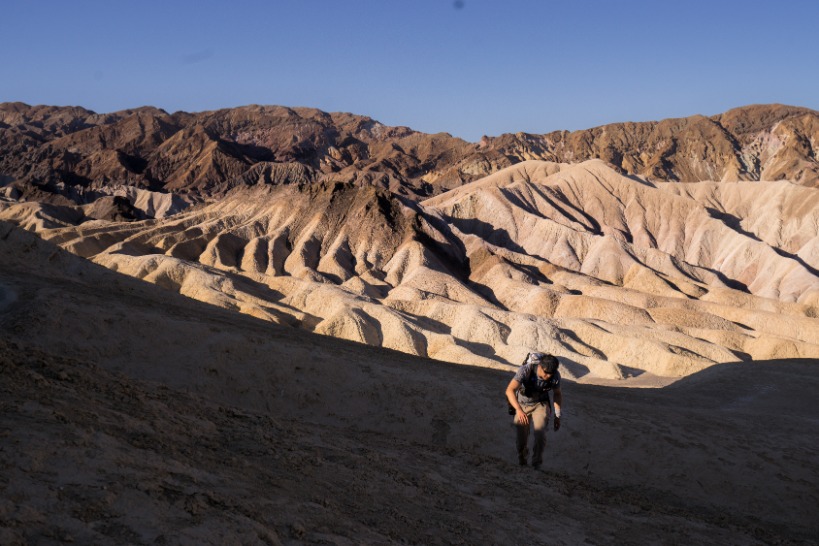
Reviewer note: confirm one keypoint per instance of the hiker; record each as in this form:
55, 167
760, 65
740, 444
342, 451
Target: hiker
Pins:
528, 396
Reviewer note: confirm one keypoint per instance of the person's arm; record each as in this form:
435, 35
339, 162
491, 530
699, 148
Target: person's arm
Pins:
513, 387
558, 401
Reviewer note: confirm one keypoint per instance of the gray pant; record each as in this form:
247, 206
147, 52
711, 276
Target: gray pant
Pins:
538, 419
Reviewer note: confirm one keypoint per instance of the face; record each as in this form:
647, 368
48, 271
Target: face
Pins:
543, 375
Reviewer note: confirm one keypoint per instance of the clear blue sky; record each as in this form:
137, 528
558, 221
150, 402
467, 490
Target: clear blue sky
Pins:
469, 68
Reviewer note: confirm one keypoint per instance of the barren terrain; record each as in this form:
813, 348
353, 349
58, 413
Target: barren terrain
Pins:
623, 278
272, 325
131, 414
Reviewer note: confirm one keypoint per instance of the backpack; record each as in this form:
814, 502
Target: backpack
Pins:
510, 408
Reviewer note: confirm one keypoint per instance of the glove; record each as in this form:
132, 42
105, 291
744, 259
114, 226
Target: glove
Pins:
557, 423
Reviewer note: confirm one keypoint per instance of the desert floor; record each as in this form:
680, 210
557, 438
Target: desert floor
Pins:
134, 415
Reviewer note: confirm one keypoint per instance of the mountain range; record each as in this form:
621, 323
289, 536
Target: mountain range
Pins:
75, 153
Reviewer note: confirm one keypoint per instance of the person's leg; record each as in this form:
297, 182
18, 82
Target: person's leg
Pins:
539, 418
522, 435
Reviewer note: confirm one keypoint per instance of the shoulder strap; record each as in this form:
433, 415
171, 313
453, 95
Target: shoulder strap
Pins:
531, 370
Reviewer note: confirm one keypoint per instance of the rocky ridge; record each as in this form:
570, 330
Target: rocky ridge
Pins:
74, 156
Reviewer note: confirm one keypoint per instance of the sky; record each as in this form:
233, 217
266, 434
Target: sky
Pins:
464, 67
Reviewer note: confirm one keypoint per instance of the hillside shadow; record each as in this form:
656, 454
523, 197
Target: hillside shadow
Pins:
635, 178
589, 221
481, 349
425, 323
265, 293
712, 387
732, 222
486, 293
488, 232
784, 388
750, 372
531, 271
451, 252
735, 223
577, 369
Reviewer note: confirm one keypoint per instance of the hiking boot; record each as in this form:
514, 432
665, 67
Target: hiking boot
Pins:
522, 461
536, 466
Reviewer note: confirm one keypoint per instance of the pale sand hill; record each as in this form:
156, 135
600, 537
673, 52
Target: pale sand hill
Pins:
134, 415
622, 278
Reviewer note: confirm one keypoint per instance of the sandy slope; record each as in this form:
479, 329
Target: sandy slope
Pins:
135, 415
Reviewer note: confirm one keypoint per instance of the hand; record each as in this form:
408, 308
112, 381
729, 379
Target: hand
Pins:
522, 418
557, 423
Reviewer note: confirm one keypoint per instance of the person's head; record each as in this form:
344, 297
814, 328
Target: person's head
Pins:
547, 364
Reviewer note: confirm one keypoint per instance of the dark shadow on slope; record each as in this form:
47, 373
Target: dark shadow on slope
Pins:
486, 293
784, 387
531, 271
795, 257
595, 352
487, 232
629, 372
481, 349
265, 293
743, 356
744, 376
733, 284
590, 222
451, 254
254, 152
685, 434
132, 163
673, 285
735, 224
577, 369
453, 264
425, 323
638, 179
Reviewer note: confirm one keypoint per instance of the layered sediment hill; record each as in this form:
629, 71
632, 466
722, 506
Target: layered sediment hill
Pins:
623, 277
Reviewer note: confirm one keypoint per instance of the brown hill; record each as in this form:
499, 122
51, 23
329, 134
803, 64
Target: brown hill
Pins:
69, 153
765, 142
